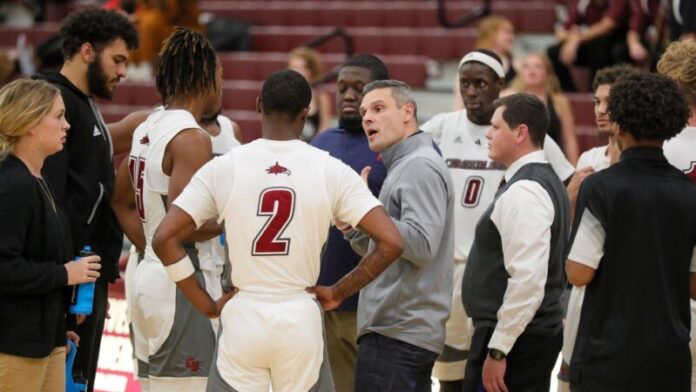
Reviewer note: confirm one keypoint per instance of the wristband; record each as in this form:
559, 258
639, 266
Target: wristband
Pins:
344, 228
180, 270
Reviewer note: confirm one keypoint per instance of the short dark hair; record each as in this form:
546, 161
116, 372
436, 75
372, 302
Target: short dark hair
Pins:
187, 65
648, 106
285, 92
611, 75
400, 91
378, 71
98, 27
525, 109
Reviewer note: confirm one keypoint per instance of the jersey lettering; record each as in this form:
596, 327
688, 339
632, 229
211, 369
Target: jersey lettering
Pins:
278, 204
136, 167
472, 191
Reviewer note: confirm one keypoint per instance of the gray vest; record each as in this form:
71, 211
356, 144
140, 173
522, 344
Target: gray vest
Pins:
486, 279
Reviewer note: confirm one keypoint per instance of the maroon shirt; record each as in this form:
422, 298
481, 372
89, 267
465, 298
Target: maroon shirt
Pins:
587, 12
643, 14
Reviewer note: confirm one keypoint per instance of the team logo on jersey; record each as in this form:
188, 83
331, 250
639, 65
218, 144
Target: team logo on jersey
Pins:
96, 132
277, 169
145, 140
193, 364
691, 172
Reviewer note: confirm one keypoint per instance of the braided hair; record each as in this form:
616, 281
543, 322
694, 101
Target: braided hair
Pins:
187, 65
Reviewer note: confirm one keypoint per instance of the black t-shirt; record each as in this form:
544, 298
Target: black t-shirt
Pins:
635, 320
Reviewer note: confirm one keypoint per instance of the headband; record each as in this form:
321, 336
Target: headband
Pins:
485, 59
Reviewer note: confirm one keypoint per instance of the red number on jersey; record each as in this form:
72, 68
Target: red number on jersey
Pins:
136, 167
472, 191
279, 205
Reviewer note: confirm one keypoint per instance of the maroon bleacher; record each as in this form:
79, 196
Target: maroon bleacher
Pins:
528, 16
258, 65
438, 43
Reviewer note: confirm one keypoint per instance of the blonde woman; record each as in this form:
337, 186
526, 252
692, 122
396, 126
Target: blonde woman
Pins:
35, 252
307, 62
536, 77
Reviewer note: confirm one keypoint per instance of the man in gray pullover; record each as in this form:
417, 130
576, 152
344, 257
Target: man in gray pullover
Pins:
402, 313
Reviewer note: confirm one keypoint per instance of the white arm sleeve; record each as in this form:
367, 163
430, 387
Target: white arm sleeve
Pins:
523, 215
351, 199
588, 245
199, 198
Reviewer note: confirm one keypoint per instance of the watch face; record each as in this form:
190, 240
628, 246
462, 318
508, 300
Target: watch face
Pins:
496, 354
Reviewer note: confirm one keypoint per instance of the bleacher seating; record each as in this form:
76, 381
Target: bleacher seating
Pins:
527, 16
405, 33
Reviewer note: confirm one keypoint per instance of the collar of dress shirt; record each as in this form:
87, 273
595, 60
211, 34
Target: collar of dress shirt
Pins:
536, 156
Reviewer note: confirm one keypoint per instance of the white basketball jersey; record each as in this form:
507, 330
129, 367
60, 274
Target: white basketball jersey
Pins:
151, 185
225, 140
277, 199
212, 252
476, 177
680, 151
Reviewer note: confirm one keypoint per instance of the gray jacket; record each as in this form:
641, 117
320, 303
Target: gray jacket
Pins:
410, 301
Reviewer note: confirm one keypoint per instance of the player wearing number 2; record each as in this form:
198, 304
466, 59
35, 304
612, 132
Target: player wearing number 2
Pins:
167, 149
276, 196
461, 137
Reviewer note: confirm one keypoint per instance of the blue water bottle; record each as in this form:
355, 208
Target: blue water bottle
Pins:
84, 293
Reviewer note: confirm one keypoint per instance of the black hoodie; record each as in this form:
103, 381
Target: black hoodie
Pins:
82, 177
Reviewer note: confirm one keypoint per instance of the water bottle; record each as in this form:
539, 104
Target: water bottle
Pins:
84, 296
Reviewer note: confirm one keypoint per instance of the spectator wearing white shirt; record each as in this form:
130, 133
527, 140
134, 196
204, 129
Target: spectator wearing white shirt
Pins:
514, 277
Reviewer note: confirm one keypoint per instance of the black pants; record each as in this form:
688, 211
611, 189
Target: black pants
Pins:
529, 363
90, 331
596, 54
386, 364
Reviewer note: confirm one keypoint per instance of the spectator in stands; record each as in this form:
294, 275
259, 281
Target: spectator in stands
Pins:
155, 20
348, 143
36, 250
307, 62
497, 34
644, 43
682, 19
536, 77
679, 64
594, 36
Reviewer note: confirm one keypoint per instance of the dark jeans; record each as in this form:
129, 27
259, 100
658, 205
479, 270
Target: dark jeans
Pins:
386, 364
90, 331
529, 363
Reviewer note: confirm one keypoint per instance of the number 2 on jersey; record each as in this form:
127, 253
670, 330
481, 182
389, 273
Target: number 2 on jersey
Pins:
278, 204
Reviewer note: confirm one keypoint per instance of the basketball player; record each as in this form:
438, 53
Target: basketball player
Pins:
167, 150
276, 195
679, 64
591, 161
633, 248
461, 136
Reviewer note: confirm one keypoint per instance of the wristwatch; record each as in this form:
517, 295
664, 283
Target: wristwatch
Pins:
496, 354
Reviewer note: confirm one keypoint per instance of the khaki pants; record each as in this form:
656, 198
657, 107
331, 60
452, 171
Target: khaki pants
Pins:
341, 338
20, 374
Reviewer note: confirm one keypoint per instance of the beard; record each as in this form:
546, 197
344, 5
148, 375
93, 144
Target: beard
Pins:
352, 124
98, 81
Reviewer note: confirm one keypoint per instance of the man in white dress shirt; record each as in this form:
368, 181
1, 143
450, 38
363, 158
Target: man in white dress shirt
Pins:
514, 277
